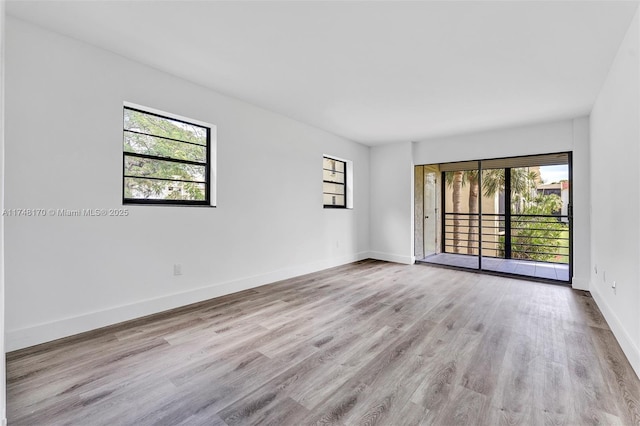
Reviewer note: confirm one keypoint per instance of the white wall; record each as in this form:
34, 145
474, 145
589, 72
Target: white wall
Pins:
64, 150
391, 182
581, 204
3, 399
615, 196
392, 203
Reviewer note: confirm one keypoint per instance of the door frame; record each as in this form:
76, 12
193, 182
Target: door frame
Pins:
421, 169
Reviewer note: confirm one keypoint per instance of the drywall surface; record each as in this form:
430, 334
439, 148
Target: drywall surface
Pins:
3, 375
509, 142
581, 186
65, 275
392, 203
615, 196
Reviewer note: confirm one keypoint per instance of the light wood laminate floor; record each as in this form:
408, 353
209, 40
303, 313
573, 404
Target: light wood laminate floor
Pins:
366, 343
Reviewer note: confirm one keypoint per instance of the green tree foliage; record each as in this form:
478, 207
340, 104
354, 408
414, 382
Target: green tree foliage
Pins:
523, 184
538, 238
163, 138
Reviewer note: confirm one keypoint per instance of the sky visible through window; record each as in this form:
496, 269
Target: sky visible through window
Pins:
552, 174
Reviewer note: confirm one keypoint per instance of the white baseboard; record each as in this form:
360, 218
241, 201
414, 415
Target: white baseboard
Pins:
389, 257
626, 342
46, 332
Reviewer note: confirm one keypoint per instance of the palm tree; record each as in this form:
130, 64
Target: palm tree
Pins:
472, 230
523, 182
456, 180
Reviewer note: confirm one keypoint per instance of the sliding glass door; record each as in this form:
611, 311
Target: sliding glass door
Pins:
510, 215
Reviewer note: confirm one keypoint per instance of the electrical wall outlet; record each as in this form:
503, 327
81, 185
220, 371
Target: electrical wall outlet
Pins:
177, 269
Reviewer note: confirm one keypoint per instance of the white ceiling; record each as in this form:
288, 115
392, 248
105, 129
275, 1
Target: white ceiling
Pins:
373, 72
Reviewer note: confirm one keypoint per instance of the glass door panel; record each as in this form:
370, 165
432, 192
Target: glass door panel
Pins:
493, 219
461, 216
540, 221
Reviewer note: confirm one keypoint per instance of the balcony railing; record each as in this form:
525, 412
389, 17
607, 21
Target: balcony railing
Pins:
542, 238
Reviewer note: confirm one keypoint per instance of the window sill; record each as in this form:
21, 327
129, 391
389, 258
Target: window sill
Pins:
168, 205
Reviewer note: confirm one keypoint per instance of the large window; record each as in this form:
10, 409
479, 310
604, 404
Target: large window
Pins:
334, 185
166, 159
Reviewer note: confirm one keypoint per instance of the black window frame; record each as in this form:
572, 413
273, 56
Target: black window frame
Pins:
206, 164
344, 184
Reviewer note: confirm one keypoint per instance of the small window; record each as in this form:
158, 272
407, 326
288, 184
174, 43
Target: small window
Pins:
166, 160
334, 176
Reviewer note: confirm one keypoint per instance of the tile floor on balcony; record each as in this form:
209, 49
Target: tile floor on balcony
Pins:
543, 270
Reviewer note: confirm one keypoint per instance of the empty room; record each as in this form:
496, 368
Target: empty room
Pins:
320, 212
